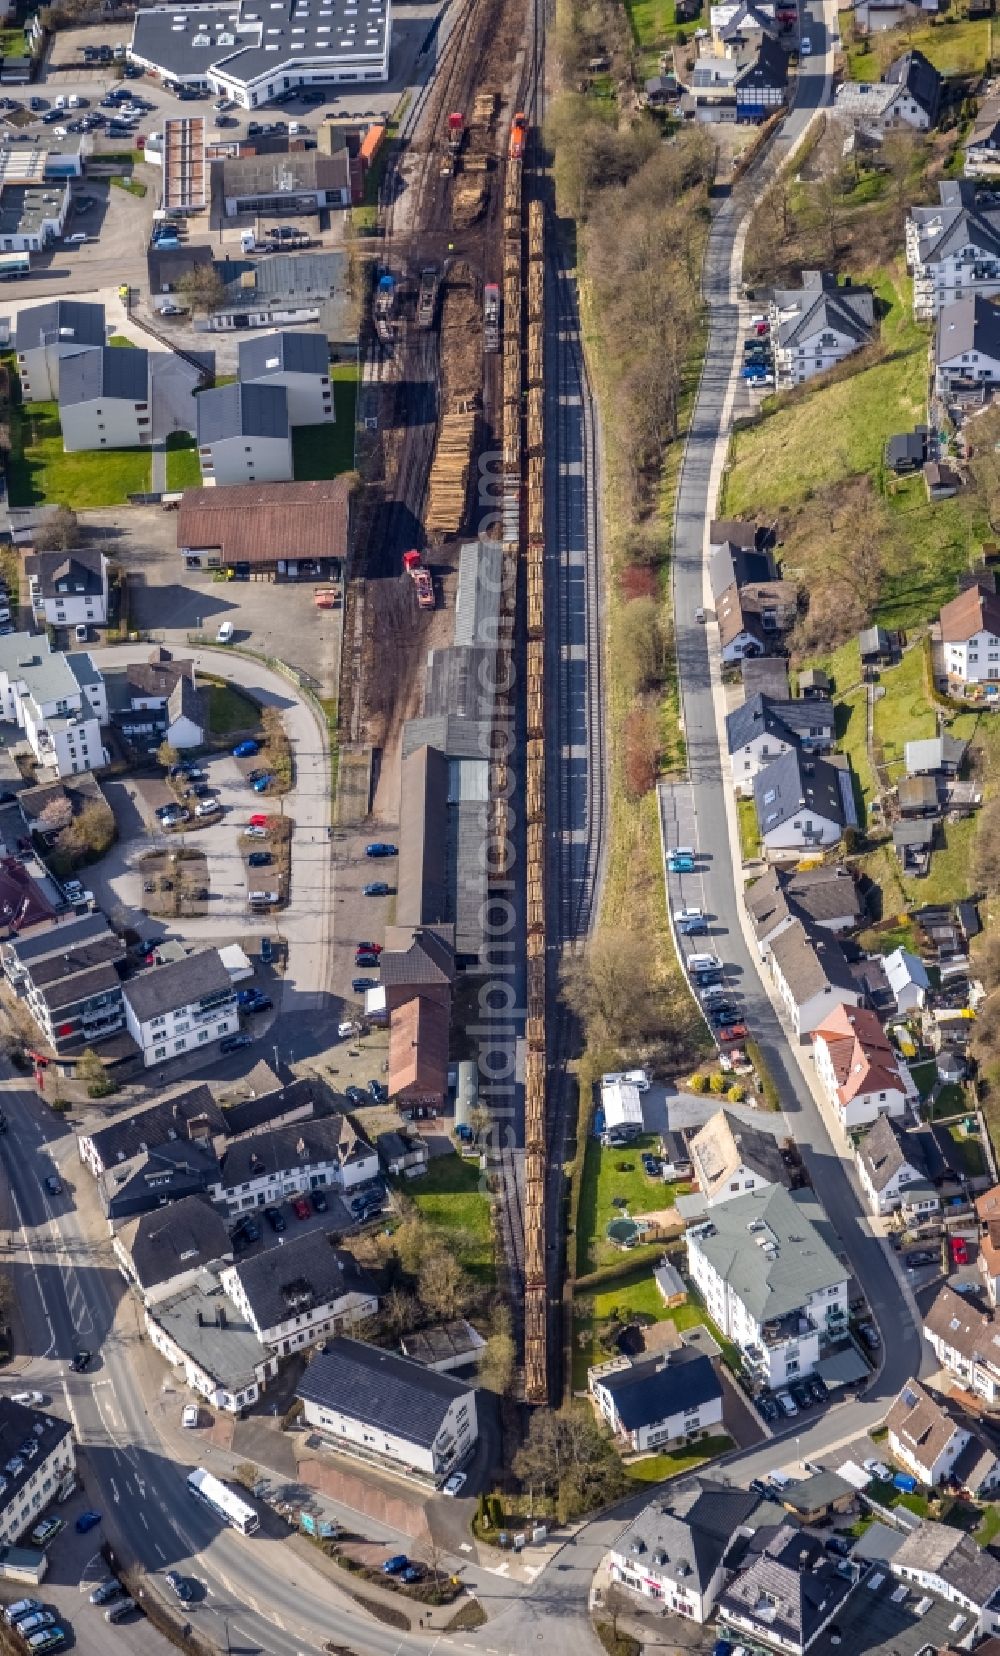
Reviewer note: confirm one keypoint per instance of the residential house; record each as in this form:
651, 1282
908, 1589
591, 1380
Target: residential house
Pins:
58, 700
802, 803
946, 1561
67, 978
763, 729
385, 1408
896, 1170
942, 480
679, 1550
657, 1402
403, 1153
738, 27
326, 1153
982, 146
988, 1254
301, 363
104, 399
816, 326
190, 1116
35, 1477
825, 899
203, 1336
748, 85
859, 1069
770, 1280
875, 647
812, 976
924, 1435
967, 348
966, 1343
730, 1158
906, 452
786, 1595
953, 249
157, 1176
162, 1252
244, 435
752, 617
934, 756
186, 1004
48, 334
732, 564
908, 95
68, 589
908, 980
158, 700
300, 1294
970, 634
818, 1498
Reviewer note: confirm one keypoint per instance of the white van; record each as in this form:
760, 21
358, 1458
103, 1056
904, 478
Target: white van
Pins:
60, 102
208, 807
262, 899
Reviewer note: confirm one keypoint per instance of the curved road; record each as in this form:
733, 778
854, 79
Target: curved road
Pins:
715, 889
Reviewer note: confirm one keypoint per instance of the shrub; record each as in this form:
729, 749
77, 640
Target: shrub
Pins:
717, 1083
699, 1083
642, 752
736, 1093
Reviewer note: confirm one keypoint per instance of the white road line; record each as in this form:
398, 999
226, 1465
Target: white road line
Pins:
160, 1552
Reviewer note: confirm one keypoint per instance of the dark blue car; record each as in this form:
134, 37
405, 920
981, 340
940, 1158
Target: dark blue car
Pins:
395, 1564
379, 848
245, 750
87, 1521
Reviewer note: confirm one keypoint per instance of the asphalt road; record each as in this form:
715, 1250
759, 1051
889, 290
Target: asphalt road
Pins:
715, 889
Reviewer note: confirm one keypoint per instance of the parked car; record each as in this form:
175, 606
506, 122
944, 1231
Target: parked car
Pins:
919, 1258
275, 1218
28, 1399
360, 984
81, 1361
225, 633
878, 1469
817, 1385
319, 1201
105, 1590
46, 1531
768, 1408
36, 1623
413, 1573
355, 1096
118, 1611
189, 1416
786, 1402
259, 859
178, 1586
364, 959
21, 1608
375, 888
53, 1185
300, 1207
801, 1393
959, 1250
87, 1521
733, 1032
455, 1484
393, 1565
266, 948
233, 1043
378, 1092
380, 848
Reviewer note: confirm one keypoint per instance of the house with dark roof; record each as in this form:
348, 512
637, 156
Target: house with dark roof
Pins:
68, 589
49, 334
658, 1401
244, 435
210, 1344
300, 362
824, 898
190, 1116
152, 1178
786, 1595
908, 96
953, 248
752, 617
157, 700
682, 1548
967, 345
299, 1294
171, 1009
762, 729
970, 635
812, 975
39, 1461
982, 147
929, 1439
67, 978
104, 399
859, 1069
817, 325
802, 803
165, 1250
324, 1153
766, 675
729, 1157
385, 1408
898, 1169
946, 1561
731, 564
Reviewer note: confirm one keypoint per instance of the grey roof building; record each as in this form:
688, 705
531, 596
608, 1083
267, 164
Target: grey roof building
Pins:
954, 1559
936, 753
392, 1393
920, 78
106, 372
477, 597
184, 1237
822, 303
658, 1388
825, 897
734, 565
690, 1533
191, 1115
285, 352
968, 324
152, 1178
69, 320
77, 574
165, 988
788, 1594
242, 411
201, 1331
887, 1148
309, 1144
291, 1288
809, 721
777, 1280
795, 786
765, 674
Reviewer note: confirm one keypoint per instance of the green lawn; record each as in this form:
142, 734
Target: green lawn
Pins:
969, 1148
655, 28
183, 467
924, 1076
654, 1468
746, 812
607, 1174
451, 1198
635, 1294
989, 1529
885, 940
39, 473
816, 437
955, 48
327, 450
230, 710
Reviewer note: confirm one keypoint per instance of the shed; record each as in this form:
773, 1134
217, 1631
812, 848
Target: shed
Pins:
875, 645
814, 682
907, 451
236, 962
670, 1284
912, 842
918, 796
934, 755
818, 1497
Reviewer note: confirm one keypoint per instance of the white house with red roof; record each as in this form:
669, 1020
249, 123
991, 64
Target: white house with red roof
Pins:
859, 1069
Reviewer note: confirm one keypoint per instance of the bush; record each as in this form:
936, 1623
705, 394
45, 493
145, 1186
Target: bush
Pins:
642, 751
717, 1083
736, 1093
699, 1083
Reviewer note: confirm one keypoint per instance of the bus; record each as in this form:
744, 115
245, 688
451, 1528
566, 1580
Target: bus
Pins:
225, 1502
13, 265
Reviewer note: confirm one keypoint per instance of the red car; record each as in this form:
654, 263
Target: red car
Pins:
959, 1251
368, 948
258, 820
300, 1207
733, 1032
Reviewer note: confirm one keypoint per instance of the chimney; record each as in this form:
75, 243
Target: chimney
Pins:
201, 1320
222, 1316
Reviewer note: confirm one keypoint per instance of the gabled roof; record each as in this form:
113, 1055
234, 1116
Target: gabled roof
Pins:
283, 353
418, 1046
726, 1144
173, 1240
887, 1147
969, 324
60, 322
428, 960
390, 1393
73, 573
933, 753
860, 1052
974, 1334
790, 1590
737, 531
167, 988
949, 1553
300, 1144
258, 523
775, 1266
921, 1423
902, 968
168, 1120
731, 565
155, 678
793, 785
242, 411
812, 895
958, 222
810, 964
305, 1273
659, 1387
768, 68
185, 701
821, 304
786, 720
920, 79
973, 611
693, 1524
107, 372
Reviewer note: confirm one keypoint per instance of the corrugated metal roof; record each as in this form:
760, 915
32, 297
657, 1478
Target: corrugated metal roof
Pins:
477, 599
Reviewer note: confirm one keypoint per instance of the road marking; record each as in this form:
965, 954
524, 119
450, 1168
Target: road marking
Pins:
160, 1552
143, 1519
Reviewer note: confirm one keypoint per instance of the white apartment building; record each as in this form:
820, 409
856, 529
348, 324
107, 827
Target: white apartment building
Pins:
104, 399
68, 589
58, 700
46, 334
39, 1464
892, 1171
300, 1294
298, 361
953, 249
244, 435
970, 636
290, 1161
185, 1004
816, 326
947, 1561
674, 1551
858, 1068
964, 1341
770, 1280
387, 1409
203, 1335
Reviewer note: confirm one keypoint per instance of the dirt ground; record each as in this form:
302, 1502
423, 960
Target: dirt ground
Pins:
177, 880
